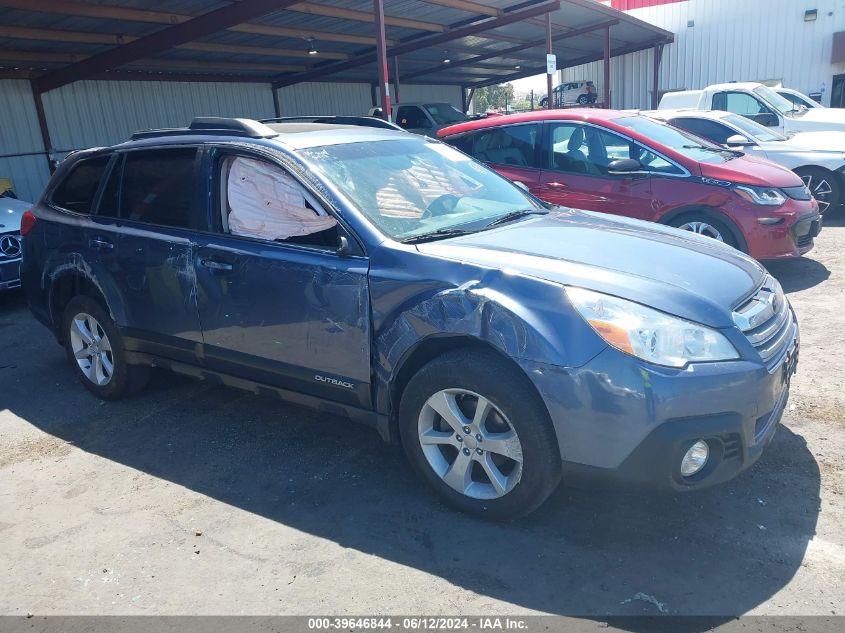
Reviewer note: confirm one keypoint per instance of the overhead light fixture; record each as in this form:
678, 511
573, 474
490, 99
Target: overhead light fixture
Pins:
447, 61
312, 48
517, 67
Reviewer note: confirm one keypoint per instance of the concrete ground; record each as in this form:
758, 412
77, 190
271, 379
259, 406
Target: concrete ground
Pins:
193, 499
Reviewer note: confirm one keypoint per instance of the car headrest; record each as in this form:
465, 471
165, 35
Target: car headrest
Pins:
576, 140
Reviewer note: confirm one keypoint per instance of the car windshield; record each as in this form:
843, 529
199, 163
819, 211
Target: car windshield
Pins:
784, 106
752, 129
414, 187
692, 147
445, 113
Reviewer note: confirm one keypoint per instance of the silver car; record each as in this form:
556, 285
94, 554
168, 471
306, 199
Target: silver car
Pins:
11, 212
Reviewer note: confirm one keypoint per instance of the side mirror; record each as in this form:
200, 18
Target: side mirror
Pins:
343, 246
625, 167
738, 140
521, 185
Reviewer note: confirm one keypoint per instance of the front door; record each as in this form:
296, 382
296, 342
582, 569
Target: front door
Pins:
289, 311
576, 173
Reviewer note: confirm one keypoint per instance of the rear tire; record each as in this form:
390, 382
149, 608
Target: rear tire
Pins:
707, 224
96, 352
508, 462
544, 102
824, 185
583, 99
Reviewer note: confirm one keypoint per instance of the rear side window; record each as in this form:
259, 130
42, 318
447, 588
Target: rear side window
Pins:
410, 117
157, 186
508, 145
705, 128
78, 190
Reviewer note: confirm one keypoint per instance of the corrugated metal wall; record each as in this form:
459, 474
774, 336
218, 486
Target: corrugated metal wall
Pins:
730, 40
94, 113
19, 134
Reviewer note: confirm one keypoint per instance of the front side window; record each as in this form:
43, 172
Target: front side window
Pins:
413, 186
157, 186
511, 145
583, 149
262, 201
78, 190
411, 117
747, 105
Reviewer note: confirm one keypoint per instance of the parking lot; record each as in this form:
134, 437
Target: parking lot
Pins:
195, 499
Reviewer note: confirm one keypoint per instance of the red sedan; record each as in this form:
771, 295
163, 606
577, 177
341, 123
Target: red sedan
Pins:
627, 164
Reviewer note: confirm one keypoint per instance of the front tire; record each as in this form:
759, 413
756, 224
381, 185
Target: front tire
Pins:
824, 185
474, 428
706, 224
583, 99
95, 350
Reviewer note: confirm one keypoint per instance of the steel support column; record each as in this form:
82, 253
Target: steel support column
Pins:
396, 80
276, 107
381, 59
550, 103
607, 67
45, 130
655, 85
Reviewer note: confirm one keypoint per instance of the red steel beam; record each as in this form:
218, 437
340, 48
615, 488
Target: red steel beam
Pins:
381, 58
606, 78
423, 42
162, 40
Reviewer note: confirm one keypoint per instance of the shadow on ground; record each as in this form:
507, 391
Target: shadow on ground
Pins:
798, 274
586, 552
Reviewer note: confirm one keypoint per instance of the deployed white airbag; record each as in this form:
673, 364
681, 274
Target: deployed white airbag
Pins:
268, 204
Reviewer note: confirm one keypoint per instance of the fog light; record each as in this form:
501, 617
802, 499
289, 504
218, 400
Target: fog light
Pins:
695, 458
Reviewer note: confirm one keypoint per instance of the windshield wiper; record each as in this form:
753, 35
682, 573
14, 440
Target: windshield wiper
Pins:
513, 215
435, 235
715, 149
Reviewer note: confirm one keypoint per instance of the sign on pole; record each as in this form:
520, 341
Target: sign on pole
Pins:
551, 64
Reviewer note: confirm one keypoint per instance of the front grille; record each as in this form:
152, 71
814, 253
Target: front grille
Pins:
10, 246
767, 321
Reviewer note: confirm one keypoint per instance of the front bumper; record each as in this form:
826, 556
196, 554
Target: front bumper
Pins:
620, 418
792, 237
10, 273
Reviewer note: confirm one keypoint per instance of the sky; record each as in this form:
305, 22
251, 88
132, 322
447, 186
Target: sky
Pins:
536, 83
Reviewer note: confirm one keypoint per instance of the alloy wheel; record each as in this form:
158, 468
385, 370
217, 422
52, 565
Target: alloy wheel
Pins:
470, 444
91, 349
821, 190
703, 228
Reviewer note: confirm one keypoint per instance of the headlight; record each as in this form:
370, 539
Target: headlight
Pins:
648, 334
761, 195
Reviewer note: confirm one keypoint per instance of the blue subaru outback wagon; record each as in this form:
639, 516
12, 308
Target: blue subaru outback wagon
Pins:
390, 279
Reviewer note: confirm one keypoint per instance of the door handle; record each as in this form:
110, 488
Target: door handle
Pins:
215, 265
100, 245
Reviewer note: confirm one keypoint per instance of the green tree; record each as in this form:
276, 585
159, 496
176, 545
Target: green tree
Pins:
493, 97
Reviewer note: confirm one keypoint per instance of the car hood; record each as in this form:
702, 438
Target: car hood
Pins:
811, 141
821, 119
675, 271
11, 212
751, 170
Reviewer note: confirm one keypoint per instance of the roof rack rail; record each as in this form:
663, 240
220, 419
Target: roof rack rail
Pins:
364, 121
213, 126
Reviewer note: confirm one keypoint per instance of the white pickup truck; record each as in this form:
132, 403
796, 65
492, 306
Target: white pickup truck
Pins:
758, 103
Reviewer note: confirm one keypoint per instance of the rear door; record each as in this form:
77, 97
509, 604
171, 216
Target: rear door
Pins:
576, 173
155, 191
512, 150
291, 312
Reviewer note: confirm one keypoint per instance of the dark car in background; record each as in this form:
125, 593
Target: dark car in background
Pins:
623, 163
391, 279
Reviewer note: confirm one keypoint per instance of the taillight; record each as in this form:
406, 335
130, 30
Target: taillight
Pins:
28, 222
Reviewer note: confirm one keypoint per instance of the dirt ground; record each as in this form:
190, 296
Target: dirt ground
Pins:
193, 499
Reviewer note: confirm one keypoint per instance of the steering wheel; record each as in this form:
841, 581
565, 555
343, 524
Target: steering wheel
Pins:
442, 205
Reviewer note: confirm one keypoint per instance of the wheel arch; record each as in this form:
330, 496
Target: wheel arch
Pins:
713, 212
63, 288
432, 347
